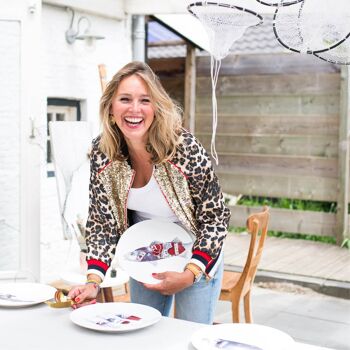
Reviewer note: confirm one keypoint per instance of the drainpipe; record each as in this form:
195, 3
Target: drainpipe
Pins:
138, 38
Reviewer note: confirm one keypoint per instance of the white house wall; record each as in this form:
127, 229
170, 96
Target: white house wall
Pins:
71, 71
20, 111
106, 8
150, 7
9, 141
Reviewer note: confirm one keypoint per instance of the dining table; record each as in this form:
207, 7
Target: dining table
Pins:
40, 327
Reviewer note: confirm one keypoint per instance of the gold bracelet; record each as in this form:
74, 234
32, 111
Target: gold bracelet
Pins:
192, 265
197, 272
95, 283
92, 281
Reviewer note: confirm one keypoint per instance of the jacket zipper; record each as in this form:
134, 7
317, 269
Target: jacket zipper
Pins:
127, 196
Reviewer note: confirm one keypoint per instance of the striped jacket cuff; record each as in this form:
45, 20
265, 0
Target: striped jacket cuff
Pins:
202, 260
97, 267
205, 262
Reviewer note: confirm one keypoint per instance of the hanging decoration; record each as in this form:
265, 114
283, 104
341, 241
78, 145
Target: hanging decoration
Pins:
315, 27
224, 24
279, 3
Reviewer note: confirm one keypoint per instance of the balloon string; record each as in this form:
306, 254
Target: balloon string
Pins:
215, 65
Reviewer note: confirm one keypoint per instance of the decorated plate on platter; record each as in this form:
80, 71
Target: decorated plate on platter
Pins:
241, 336
24, 294
152, 246
115, 317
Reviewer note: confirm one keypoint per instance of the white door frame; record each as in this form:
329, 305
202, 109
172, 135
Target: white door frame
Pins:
32, 110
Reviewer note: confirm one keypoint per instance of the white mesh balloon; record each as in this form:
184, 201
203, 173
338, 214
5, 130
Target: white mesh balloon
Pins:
338, 55
278, 3
315, 26
224, 24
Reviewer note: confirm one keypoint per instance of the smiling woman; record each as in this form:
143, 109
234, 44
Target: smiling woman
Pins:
139, 91
145, 166
132, 109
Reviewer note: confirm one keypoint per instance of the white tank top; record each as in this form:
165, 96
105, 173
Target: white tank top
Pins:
149, 202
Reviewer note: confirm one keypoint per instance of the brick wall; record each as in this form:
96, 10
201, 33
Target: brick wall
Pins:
70, 71
9, 122
9, 142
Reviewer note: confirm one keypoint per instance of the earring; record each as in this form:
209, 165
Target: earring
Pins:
111, 119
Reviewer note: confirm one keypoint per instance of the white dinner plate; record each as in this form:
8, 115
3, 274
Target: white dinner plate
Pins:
153, 246
115, 317
241, 336
24, 294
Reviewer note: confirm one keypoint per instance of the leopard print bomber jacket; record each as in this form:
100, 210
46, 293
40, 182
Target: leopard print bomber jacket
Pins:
190, 187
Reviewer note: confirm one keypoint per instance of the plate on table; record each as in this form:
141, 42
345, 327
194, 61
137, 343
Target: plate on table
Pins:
115, 317
241, 336
24, 294
153, 246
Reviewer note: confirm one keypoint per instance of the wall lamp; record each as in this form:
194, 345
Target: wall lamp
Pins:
72, 34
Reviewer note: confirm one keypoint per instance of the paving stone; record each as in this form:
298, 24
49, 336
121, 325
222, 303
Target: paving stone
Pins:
312, 318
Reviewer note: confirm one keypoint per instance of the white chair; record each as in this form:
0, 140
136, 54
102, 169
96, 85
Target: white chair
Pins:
70, 144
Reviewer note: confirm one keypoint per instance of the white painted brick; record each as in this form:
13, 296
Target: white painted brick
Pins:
9, 123
71, 71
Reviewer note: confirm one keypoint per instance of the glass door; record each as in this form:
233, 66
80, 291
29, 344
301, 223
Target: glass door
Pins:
20, 110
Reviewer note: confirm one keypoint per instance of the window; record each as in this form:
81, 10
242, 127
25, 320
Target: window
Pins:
59, 110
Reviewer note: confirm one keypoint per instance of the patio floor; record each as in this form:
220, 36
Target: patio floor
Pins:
307, 316
321, 266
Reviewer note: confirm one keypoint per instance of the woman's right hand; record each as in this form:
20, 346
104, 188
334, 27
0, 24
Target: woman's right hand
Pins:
83, 295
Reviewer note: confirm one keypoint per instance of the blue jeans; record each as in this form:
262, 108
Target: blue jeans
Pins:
196, 303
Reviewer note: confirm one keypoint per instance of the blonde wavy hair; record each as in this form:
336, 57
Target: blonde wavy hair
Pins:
163, 134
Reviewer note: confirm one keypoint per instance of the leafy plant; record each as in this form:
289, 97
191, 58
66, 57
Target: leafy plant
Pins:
287, 203
279, 234
295, 204
346, 243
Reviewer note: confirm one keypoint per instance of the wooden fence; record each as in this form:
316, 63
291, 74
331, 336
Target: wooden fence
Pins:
282, 132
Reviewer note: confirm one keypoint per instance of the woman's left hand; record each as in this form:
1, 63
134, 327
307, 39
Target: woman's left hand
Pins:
171, 282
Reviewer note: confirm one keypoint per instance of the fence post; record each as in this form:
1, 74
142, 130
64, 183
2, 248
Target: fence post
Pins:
190, 88
343, 158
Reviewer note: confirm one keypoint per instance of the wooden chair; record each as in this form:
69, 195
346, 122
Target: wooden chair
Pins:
125, 296
238, 285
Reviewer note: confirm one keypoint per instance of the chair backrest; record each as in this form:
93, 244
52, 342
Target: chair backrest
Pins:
71, 143
256, 223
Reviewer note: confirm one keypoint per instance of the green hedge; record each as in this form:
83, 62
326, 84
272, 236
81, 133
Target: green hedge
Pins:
286, 203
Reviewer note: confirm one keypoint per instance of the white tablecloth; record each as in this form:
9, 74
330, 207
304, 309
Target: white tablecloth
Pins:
43, 328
